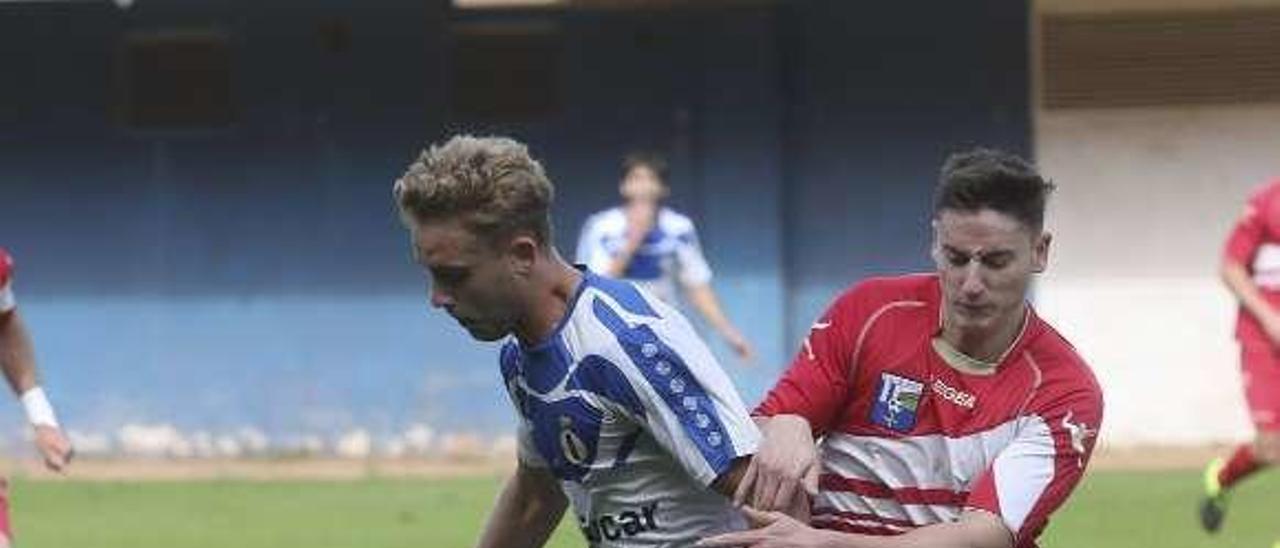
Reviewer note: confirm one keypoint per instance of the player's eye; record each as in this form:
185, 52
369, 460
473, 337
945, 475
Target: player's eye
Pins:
997, 261
450, 277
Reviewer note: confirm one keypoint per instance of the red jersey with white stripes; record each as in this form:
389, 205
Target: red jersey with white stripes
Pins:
909, 440
1255, 244
6, 287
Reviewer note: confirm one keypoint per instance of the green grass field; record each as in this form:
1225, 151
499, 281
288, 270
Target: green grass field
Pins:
1111, 510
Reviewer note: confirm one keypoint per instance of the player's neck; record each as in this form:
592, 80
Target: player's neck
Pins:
988, 345
558, 284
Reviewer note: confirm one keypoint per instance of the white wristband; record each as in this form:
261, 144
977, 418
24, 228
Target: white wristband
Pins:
39, 411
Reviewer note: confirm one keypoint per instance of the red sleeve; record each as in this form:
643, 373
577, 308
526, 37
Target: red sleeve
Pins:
1034, 475
816, 384
6, 267
6, 274
1250, 228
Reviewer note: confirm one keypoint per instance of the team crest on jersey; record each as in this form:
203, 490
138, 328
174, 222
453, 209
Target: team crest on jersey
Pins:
897, 399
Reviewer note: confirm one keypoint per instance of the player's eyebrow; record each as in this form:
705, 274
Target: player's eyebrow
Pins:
977, 254
446, 270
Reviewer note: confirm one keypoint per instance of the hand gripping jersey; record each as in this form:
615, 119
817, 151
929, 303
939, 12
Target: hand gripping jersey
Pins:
670, 251
908, 440
630, 411
6, 282
1255, 243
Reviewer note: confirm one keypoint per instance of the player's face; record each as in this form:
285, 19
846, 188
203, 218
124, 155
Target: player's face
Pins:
986, 261
642, 184
470, 280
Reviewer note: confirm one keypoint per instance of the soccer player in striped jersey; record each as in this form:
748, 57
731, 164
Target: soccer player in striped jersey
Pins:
949, 413
624, 412
17, 360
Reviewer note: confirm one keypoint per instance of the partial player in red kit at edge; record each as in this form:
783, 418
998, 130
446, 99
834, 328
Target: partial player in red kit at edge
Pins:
17, 359
1251, 271
948, 412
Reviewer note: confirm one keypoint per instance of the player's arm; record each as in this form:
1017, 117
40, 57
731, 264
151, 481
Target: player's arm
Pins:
1035, 474
704, 300
18, 362
1242, 246
526, 512
974, 529
801, 407
1238, 280
17, 353
695, 278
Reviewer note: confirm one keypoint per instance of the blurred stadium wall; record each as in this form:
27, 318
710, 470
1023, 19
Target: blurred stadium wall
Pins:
1158, 118
197, 192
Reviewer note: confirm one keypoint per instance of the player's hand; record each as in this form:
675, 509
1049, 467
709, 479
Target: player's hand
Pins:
740, 346
769, 530
53, 446
784, 469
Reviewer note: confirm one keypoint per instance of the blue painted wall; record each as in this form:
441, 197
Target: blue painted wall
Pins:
256, 274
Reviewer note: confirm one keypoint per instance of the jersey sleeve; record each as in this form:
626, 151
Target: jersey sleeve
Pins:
1250, 228
591, 250
693, 267
1034, 475
7, 301
684, 398
526, 448
817, 383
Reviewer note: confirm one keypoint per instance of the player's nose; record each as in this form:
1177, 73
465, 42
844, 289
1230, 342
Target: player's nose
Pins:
438, 298
972, 284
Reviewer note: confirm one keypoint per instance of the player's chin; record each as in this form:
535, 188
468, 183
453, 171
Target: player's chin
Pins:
972, 320
485, 333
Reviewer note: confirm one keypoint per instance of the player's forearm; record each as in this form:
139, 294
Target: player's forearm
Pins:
728, 482
1236, 277
525, 514
17, 354
973, 530
704, 299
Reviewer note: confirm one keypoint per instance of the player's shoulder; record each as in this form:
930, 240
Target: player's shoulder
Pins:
1061, 367
609, 219
878, 291
1267, 192
620, 295
674, 222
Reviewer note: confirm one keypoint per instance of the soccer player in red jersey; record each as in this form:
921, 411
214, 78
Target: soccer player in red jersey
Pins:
17, 360
1251, 271
948, 412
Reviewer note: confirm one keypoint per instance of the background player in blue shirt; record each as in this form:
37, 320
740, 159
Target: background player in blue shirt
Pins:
654, 246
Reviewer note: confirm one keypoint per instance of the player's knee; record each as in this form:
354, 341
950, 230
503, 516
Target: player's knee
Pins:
1266, 447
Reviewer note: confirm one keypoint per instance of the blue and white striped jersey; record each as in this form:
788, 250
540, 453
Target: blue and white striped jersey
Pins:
627, 407
670, 252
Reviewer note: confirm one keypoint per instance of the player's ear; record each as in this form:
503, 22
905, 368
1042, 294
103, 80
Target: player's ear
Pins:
522, 253
1040, 252
935, 246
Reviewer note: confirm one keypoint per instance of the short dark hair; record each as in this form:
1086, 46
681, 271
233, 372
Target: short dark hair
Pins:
492, 184
984, 178
644, 158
